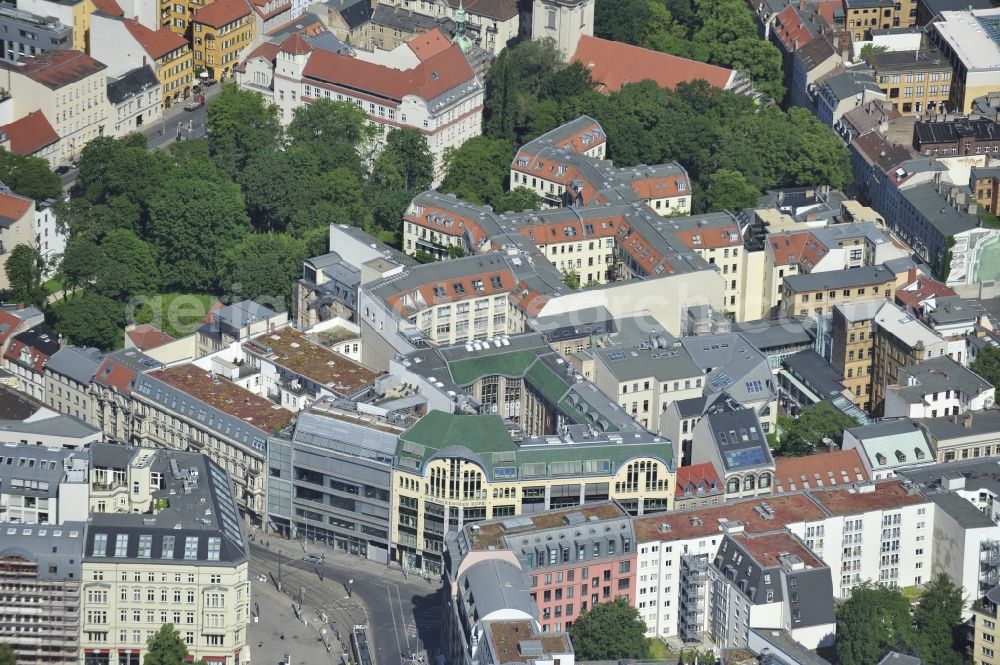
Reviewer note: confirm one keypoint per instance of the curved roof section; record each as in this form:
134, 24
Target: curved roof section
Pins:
496, 585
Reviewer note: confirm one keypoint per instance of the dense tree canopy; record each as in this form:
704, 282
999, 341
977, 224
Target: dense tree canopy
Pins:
242, 126
937, 621
874, 619
804, 435
477, 171
263, 267
29, 176
987, 365
90, 319
167, 647
609, 631
24, 268
6, 655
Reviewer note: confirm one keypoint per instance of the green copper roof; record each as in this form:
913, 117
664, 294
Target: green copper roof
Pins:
513, 363
486, 441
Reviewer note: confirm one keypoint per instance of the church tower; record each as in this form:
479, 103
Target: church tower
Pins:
564, 21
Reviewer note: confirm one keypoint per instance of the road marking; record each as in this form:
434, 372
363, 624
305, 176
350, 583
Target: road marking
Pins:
395, 629
402, 616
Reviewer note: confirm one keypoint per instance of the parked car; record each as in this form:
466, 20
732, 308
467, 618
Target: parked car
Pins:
196, 103
62, 170
314, 558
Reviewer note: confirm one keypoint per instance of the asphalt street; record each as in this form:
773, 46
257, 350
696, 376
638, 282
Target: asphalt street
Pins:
403, 615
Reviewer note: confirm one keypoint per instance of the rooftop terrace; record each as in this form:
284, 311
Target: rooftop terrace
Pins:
507, 637
292, 350
490, 533
225, 396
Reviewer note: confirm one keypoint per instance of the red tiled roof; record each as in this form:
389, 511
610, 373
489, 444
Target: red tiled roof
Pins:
767, 549
260, 6
919, 288
839, 467
701, 522
8, 325
14, 207
109, 7
14, 354
296, 44
790, 30
222, 12
712, 238
498, 9
613, 64
55, 69
888, 495
430, 78
429, 44
800, 248
30, 134
146, 336
267, 50
468, 290
114, 374
697, 480
157, 43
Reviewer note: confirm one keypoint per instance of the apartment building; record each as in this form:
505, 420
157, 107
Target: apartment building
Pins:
565, 168
74, 14
818, 293
491, 26
25, 35
674, 552
126, 44
42, 485
70, 88
853, 348
397, 90
900, 341
731, 438
135, 100
984, 628
296, 369
26, 355
985, 185
186, 408
164, 545
881, 532
887, 446
963, 437
863, 16
915, 82
938, 386
698, 485
574, 559
968, 40
647, 378
237, 323
221, 32
958, 137
111, 389
40, 579
453, 470
331, 481
68, 374
16, 227
770, 580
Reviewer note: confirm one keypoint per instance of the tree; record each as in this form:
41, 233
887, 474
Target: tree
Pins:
166, 647
194, 217
804, 434
987, 365
263, 266
338, 133
406, 159
341, 200
241, 126
24, 269
517, 200
937, 622
476, 170
29, 176
870, 50
871, 621
729, 190
609, 631
571, 278
82, 261
6, 655
90, 319
129, 266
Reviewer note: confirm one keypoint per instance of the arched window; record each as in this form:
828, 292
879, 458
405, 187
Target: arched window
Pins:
749, 483
733, 486
765, 480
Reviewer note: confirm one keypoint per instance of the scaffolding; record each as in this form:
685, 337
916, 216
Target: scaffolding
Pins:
989, 565
39, 618
694, 580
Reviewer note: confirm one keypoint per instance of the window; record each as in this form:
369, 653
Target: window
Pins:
191, 547
100, 544
214, 545
145, 546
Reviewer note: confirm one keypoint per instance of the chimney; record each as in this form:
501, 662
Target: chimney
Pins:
802, 5
967, 422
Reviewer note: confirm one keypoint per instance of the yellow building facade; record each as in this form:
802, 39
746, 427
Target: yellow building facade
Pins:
220, 33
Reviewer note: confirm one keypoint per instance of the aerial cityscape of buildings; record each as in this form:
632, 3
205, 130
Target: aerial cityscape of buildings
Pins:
728, 413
